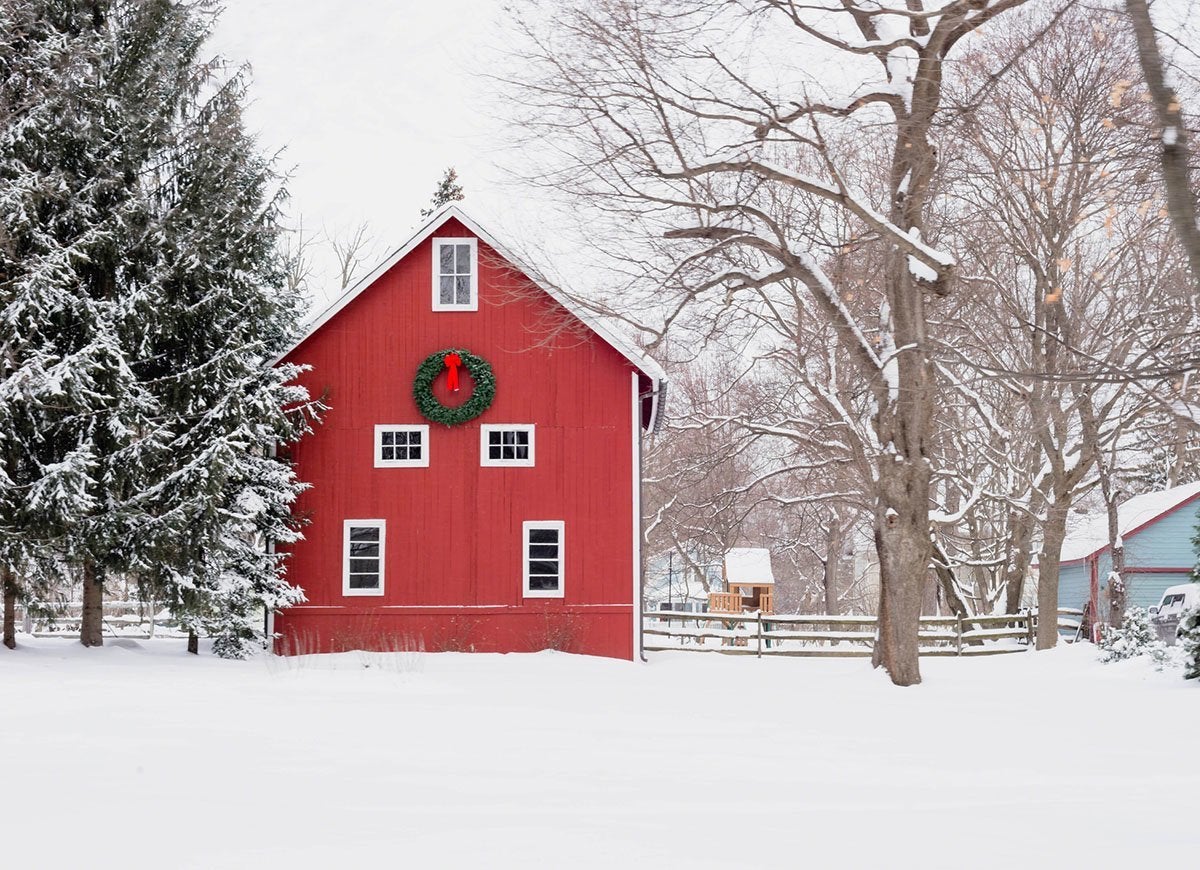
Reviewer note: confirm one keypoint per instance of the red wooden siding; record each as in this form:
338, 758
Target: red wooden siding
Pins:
453, 572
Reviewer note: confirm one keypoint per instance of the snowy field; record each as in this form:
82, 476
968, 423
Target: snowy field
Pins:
140, 756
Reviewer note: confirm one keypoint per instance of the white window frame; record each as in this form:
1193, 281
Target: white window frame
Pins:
380, 462
488, 428
526, 528
438, 305
346, 526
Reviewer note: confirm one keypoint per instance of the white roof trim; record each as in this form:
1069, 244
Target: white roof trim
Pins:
645, 364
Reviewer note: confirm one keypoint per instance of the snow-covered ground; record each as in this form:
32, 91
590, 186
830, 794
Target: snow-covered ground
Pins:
139, 755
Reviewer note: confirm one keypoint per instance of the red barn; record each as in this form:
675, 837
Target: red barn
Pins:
501, 517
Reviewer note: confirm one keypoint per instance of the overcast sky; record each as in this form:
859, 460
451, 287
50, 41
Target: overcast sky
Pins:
372, 100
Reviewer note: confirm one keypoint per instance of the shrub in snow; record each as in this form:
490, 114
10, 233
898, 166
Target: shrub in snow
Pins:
1134, 638
1189, 640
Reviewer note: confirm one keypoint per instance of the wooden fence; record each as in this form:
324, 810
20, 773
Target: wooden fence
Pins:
776, 634
139, 620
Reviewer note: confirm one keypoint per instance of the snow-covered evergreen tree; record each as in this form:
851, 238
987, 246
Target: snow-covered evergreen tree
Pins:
67, 216
140, 298
1189, 625
448, 190
1134, 638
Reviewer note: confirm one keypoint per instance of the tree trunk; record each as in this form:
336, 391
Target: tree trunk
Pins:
193, 643
1116, 589
1116, 577
10, 607
1175, 153
91, 625
1021, 548
948, 583
1053, 532
833, 552
902, 540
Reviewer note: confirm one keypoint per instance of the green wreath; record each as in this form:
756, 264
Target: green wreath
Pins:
481, 397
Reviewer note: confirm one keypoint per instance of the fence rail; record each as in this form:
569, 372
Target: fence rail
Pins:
138, 620
777, 634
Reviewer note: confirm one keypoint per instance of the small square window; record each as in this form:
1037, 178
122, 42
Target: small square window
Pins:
455, 274
509, 444
400, 445
542, 556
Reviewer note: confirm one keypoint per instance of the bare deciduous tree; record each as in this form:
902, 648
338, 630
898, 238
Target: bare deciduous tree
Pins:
702, 124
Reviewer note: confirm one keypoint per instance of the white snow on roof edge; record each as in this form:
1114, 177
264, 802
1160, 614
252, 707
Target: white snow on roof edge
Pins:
1092, 537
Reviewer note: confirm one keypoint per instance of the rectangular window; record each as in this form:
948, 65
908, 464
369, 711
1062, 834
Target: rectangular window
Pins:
506, 444
543, 558
455, 275
362, 559
399, 445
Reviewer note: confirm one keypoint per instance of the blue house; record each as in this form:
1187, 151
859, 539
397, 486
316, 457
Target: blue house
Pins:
1157, 530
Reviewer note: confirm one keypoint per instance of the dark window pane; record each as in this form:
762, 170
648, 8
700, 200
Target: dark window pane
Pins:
364, 566
401, 437
389, 452
446, 290
446, 260
510, 437
414, 437
543, 583
494, 437
364, 581
522, 437
493, 452
507, 453
522, 452
364, 533
462, 291
543, 536
387, 438
543, 551
543, 567
414, 453
363, 550
464, 259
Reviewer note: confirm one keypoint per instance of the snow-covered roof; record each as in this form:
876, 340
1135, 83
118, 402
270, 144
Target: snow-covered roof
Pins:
748, 566
640, 360
1092, 536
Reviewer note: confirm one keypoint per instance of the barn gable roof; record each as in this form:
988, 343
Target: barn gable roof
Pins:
639, 359
1133, 515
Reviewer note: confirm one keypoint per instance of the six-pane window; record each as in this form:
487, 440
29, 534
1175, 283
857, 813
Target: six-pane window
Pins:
363, 545
506, 444
455, 278
401, 446
543, 558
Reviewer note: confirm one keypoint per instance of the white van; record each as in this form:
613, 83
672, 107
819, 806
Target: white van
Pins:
1165, 617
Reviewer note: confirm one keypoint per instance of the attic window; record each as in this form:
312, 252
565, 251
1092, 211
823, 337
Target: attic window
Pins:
455, 275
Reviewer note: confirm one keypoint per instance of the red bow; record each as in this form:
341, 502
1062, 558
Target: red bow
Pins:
452, 361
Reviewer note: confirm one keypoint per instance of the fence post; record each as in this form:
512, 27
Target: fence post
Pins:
1029, 640
958, 639
760, 637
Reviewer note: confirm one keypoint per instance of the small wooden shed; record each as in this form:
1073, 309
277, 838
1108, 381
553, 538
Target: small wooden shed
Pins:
749, 582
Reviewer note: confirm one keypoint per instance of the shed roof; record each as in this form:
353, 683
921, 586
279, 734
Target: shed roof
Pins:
748, 566
1132, 516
